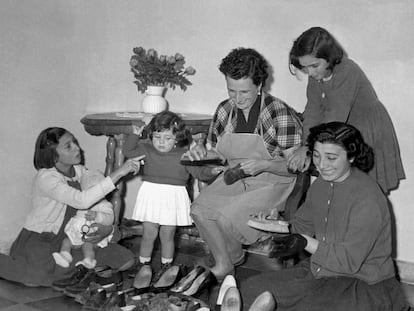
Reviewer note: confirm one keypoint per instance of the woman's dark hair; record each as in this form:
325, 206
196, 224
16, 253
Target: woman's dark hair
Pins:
45, 155
346, 136
166, 120
245, 63
319, 43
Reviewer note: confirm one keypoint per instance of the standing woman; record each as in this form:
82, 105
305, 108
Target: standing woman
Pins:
338, 90
256, 131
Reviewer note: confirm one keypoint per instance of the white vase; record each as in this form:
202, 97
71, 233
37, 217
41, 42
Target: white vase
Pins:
154, 100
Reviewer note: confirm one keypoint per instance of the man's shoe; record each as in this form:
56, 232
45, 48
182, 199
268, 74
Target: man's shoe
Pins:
80, 272
82, 285
263, 302
269, 224
234, 174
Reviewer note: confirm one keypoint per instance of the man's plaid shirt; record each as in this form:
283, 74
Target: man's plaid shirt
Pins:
281, 124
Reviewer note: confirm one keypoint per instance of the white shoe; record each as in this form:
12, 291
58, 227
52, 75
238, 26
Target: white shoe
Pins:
229, 281
231, 300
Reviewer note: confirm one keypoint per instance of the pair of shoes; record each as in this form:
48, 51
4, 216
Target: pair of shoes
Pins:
143, 278
79, 274
187, 280
234, 174
203, 282
169, 275
264, 302
269, 224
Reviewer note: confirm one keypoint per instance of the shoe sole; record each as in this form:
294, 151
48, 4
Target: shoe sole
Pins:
278, 226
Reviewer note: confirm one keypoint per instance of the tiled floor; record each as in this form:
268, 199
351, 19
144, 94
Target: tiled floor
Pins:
14, 296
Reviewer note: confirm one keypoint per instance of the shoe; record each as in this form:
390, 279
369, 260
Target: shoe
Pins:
269, 224
186, 281
82, 285
116, 299
234, 174
167, 279
96, 301
93, 288
142, 280
229, 281
263, 302
203, 282
231, 300
80, 272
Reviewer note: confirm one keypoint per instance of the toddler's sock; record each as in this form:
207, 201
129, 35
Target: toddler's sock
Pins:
165, 261
60, 260
144, 259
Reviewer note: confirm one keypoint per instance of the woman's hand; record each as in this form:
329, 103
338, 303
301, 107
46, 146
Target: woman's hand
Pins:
299, 161
254, 167
97, 233
196, 152
216, 170
129, 166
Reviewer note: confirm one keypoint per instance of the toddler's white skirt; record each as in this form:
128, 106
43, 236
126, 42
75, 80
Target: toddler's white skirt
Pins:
163, 204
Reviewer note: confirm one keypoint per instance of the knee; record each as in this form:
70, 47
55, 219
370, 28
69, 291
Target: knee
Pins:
197, 217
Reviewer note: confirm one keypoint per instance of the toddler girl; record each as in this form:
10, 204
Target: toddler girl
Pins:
163, 202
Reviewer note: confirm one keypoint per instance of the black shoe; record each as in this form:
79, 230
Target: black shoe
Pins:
169, 276
80, 272
186, 281
116, 299
96, 301
82, 285
234, 174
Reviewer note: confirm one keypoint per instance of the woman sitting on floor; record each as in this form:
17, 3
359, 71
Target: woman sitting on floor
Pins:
345, 225
55, 197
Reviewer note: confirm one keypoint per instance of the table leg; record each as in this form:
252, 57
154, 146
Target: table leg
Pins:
114, 159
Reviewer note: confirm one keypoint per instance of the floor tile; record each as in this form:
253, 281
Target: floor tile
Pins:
20, 293
6, 302
61, 303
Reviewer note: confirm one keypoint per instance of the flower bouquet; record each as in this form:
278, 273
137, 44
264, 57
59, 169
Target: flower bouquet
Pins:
149, 69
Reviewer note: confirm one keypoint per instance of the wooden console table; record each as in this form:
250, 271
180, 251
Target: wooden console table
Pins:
115, 125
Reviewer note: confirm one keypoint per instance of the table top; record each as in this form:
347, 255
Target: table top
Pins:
112, 123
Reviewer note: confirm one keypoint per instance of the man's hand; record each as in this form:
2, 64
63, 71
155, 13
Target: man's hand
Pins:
97, 233
287, 246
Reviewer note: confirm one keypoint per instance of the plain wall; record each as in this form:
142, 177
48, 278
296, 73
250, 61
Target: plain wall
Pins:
60, 60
